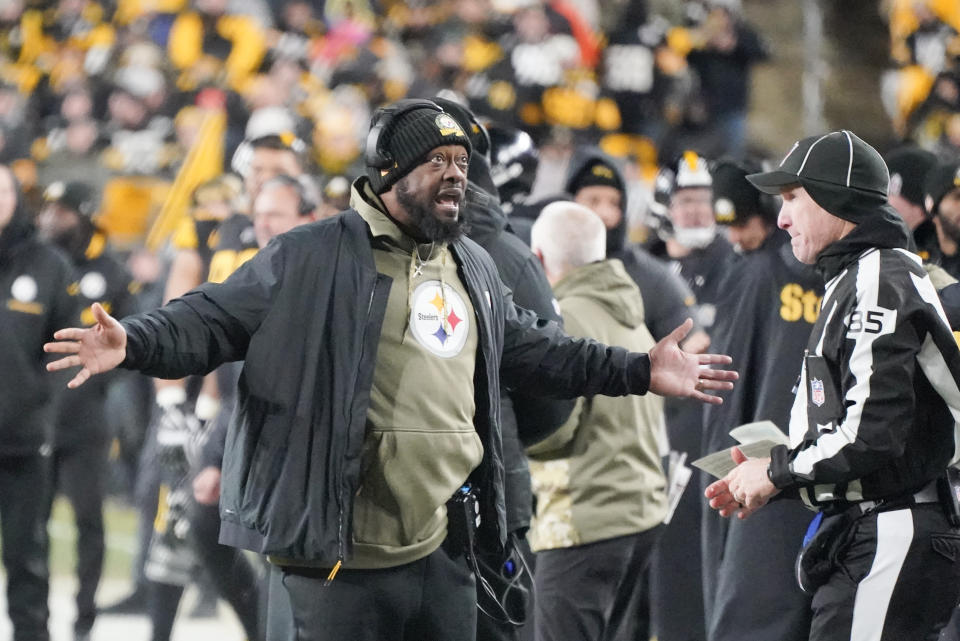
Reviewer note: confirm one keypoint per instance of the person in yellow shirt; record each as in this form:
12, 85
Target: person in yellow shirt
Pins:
209, 44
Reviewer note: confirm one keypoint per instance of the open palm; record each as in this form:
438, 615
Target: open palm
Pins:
674, 372
95, 350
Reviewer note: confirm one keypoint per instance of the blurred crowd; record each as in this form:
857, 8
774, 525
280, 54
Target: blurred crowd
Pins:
158, 122
921, 93
117, 92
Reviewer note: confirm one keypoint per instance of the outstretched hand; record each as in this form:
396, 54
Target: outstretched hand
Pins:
674, 372
96, 349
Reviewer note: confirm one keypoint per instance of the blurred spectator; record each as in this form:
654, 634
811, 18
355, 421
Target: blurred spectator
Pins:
73, 154
909, 166
136, 132
38, 286
725, 47
749, 216
16, 127
634, 72
82, 441
942, 201
208, 44
341, 119
336, 197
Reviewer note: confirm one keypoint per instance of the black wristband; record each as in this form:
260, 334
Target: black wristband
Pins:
779, 469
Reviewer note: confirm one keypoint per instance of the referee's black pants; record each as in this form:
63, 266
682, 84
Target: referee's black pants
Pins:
897, 580
433, 599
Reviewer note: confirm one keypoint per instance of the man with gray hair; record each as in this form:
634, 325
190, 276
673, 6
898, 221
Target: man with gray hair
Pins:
601, 493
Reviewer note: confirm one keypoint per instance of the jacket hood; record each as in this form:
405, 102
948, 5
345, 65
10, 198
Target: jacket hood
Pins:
482, 207
607, 284
582, 158
17, 230
884, 229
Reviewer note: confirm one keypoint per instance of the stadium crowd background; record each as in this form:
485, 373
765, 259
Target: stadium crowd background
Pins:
145, 100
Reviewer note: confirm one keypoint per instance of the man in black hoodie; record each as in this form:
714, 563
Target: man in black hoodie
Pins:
520, 271
82, 442
38, 295
595, 181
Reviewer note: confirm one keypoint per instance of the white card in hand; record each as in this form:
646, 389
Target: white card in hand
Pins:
720, 463
759, 431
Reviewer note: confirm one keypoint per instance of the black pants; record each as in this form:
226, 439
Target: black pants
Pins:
79, 473
279, 617
897, 580
232, 573
592, 592
676, 580
756, 595
23, 494
433, 599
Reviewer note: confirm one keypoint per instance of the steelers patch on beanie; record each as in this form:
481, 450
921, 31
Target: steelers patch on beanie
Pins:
448, 126
410, 138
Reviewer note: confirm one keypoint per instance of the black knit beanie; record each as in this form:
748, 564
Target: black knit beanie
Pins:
596, 172
409, 138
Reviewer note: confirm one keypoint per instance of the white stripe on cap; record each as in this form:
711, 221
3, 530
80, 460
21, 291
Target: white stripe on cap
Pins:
850, 164
795, 145
800, 171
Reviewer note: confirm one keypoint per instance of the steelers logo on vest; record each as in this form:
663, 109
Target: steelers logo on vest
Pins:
439, 319
448, 126
24, 289
93, 285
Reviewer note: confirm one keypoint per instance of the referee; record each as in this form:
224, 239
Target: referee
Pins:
878, 403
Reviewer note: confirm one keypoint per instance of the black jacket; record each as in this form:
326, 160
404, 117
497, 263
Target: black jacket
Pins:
103, 279
36, 299
305, 313
763, 323
519, 270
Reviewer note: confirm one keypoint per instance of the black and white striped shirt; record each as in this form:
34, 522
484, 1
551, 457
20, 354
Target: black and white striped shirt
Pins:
877, 414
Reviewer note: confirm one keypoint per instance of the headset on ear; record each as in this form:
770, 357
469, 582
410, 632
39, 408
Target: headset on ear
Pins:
306, 204
375, 155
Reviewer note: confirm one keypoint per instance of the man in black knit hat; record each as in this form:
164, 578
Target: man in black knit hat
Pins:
364, 457
909, 166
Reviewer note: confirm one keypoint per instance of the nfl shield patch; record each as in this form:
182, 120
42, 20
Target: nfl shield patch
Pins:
817, 394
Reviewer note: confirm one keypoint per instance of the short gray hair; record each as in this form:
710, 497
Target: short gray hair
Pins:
568, 235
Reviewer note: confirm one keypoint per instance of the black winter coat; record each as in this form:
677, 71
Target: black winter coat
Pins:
305, 314
37, 297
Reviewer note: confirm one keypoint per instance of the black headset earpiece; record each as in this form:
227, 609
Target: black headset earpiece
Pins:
375, 155
306, 204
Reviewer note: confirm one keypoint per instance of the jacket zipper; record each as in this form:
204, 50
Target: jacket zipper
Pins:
340, 547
